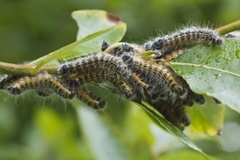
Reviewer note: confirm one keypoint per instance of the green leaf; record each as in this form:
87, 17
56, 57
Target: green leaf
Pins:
213, 71
106, 28
100, 139
163, 123
91, 21
207, 118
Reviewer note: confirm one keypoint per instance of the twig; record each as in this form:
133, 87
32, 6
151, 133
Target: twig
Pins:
228, 28
24, 69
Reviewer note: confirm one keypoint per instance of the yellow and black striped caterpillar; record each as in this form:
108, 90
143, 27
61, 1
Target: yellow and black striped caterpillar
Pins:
43, 83
183, 39
91, 62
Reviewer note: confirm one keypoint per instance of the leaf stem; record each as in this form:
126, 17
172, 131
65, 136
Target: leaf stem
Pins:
228, 28
24, 69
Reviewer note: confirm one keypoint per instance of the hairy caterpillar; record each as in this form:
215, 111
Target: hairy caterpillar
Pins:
89, 98
42, 83
183, 39
94, 61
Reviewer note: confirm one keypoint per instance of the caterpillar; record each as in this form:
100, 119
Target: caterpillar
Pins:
94, 61
42, 83
183, 39
89, 98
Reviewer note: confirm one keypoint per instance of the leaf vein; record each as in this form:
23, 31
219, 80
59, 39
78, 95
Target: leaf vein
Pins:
204, 66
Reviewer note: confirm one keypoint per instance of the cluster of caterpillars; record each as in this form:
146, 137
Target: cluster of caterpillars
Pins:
134, 77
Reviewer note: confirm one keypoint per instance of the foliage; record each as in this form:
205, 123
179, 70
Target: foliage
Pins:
213, 71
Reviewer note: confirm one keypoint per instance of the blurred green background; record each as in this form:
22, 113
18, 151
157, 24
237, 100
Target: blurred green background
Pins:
37, 128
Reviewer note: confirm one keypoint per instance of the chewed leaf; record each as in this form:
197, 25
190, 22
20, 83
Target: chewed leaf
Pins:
213, 71
97, 20
164, 124
107, 28
207, 118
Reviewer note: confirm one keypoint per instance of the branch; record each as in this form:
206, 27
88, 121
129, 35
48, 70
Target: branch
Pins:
228, 28
24, 69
